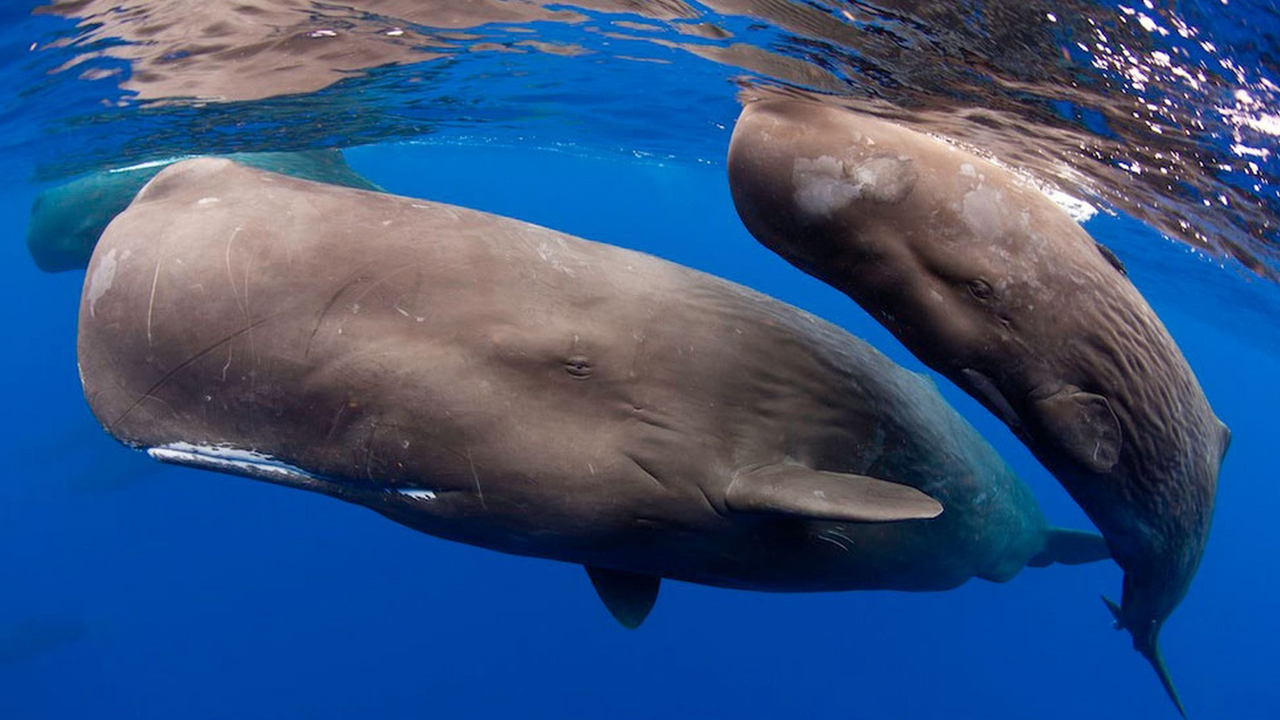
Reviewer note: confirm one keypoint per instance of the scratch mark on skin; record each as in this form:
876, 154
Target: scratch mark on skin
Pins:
837, 538
476, 477
177, 368
162, 401
235, 292
253, 351
333, 426
373, 285
227, 367
833, 541
244, 312
333, 300
151, 304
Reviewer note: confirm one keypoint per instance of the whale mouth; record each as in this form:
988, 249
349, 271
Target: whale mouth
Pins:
246, 463
255, 465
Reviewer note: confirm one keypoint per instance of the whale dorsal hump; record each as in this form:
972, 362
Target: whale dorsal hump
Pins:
1083, 425
629, 597
787, 489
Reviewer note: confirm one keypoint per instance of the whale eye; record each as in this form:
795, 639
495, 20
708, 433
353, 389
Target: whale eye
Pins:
981, 289
578, 366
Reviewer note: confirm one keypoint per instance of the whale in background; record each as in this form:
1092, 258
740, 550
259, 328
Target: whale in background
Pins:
497, 383
991, 284
66, 221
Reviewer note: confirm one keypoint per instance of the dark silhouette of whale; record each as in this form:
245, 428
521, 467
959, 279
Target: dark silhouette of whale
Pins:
993, 285
67, 220
501, 384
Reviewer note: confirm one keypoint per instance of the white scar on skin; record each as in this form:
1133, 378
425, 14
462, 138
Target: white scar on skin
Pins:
820, 185
101, 280
826, 185
151, 305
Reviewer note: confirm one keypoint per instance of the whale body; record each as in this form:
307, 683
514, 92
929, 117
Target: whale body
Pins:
993, 285
501, 384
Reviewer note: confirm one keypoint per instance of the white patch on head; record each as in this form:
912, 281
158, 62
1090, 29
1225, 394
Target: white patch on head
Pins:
982, 213
231, 460
104, 275
967, 170
826, 185
208, 201
821, 187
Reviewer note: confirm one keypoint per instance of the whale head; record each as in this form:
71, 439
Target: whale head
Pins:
989, 282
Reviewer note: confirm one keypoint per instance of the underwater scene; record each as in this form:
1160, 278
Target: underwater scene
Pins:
640, 359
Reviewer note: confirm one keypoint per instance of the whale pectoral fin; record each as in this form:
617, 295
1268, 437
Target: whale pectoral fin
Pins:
628, 597
1111, 257
814, 494
1083, 425
1070, 547
986, 391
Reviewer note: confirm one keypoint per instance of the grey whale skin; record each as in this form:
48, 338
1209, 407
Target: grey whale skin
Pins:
497, 383
993, 285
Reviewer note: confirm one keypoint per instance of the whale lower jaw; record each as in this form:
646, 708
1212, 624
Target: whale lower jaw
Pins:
260, 466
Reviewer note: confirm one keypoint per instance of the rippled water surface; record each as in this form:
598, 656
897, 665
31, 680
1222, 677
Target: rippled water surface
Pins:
132, 595
1167, 112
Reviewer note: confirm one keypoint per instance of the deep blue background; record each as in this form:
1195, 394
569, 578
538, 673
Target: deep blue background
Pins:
208, 596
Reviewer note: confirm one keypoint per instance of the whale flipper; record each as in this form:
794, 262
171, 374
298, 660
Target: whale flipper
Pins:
628, 596
1070, 547
1111, 258
815, 494
1083, 425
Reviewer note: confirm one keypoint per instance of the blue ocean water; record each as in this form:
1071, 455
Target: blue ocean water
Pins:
140, 591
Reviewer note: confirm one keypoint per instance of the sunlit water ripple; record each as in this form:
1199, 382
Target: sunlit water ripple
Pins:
1170, 113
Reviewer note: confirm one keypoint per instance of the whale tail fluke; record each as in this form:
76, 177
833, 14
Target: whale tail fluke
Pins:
1157, 663
1149, 649
1070, 547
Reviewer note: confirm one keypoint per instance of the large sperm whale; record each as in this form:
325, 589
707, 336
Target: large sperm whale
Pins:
501, 384
993, 285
